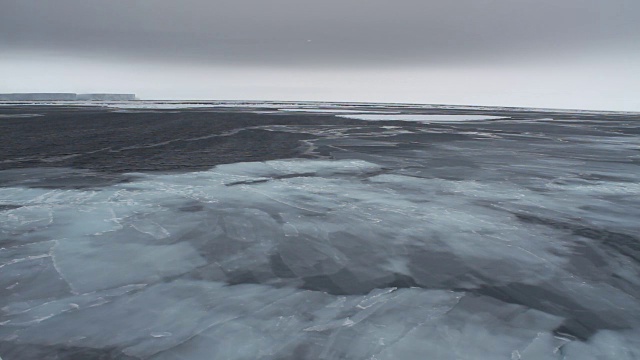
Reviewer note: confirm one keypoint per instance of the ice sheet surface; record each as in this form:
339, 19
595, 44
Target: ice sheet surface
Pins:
510, 239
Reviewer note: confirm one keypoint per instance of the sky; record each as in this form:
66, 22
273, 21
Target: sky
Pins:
582, 54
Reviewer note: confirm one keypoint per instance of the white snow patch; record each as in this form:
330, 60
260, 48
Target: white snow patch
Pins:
337, 111
423, 118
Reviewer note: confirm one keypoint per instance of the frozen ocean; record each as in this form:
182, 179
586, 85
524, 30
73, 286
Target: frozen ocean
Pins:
255, 230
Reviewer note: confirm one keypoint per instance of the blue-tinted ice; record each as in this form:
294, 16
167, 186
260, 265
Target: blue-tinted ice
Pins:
498, 245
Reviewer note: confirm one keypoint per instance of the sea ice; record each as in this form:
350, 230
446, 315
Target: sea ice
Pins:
452, 250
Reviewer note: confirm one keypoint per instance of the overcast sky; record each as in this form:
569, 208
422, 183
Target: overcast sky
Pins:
547, 53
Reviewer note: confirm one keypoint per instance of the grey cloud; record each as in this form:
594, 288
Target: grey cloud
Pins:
306, 32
